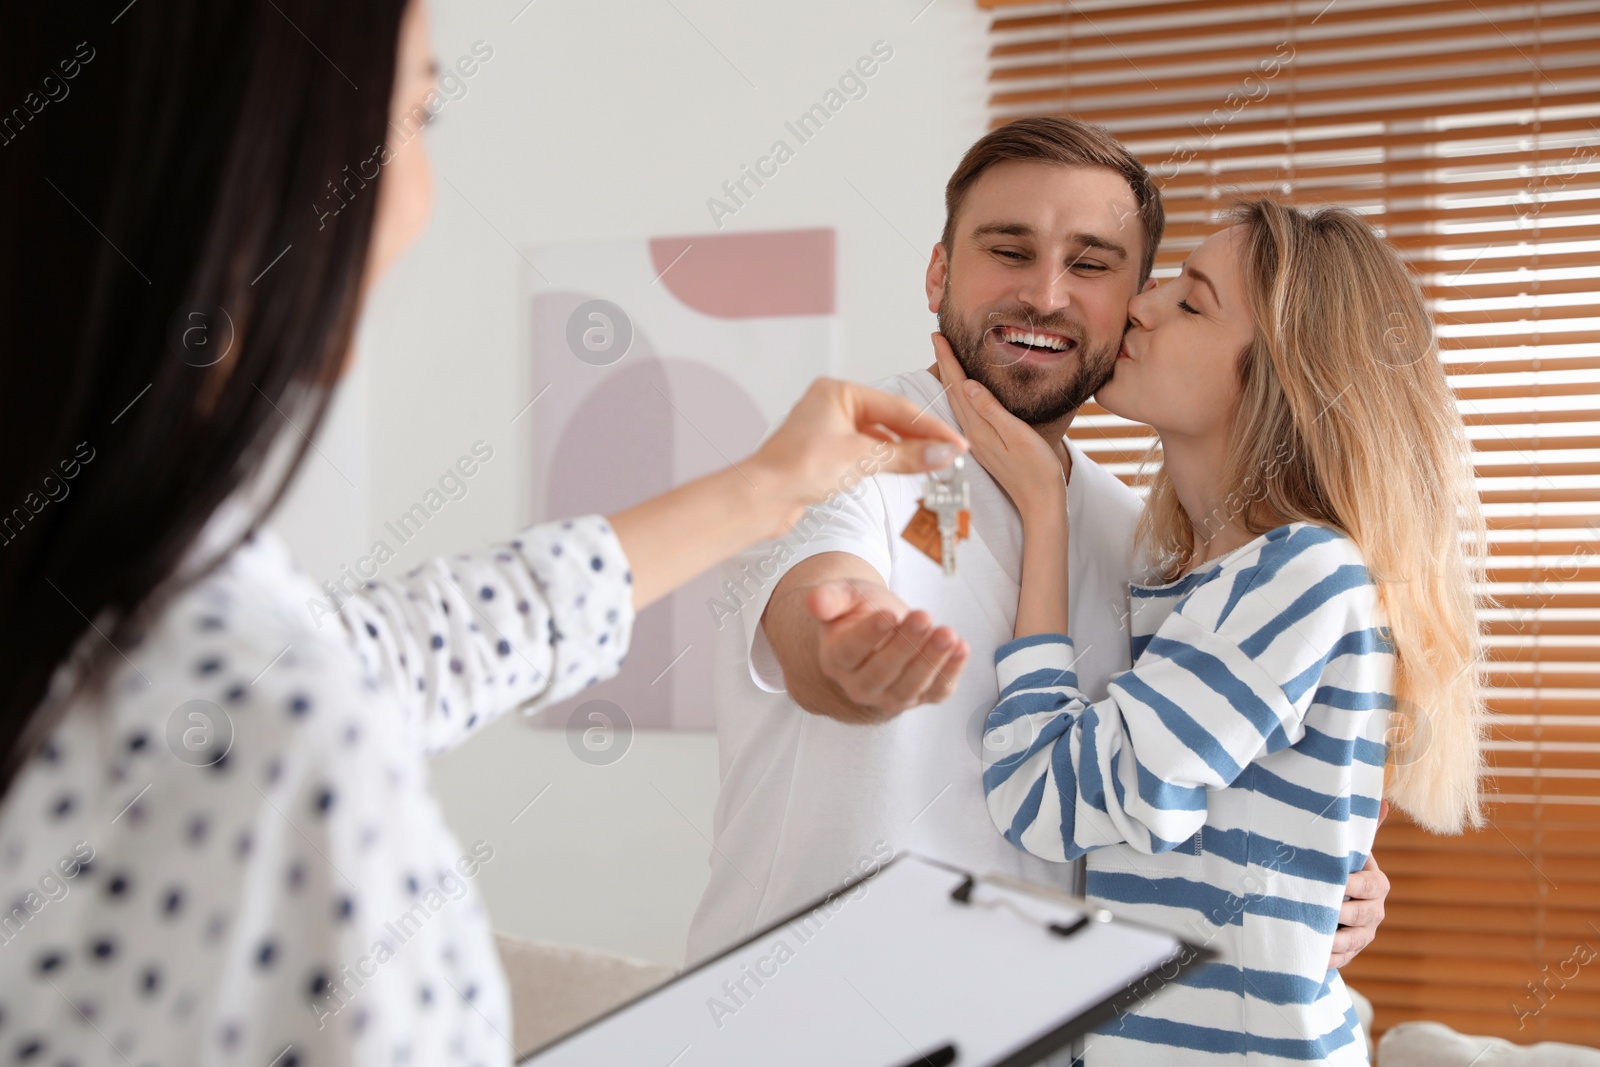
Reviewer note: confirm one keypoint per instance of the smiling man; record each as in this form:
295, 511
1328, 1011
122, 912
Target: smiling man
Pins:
850, 730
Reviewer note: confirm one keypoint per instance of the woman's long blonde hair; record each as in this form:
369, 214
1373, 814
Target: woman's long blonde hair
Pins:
1345, 419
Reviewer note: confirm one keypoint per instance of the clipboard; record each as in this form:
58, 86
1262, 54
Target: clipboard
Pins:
916, 964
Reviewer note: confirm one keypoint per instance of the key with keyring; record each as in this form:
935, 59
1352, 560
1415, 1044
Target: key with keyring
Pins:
949, 497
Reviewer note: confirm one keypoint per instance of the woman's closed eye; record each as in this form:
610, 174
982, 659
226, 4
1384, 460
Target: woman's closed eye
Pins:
1184, 304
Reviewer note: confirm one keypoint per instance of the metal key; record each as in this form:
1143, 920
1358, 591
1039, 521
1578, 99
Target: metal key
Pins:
948, 494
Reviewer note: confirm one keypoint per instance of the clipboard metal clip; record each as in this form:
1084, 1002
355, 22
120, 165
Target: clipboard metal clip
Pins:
962, 894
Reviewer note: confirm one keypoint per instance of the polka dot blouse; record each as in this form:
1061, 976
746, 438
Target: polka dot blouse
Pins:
231, 854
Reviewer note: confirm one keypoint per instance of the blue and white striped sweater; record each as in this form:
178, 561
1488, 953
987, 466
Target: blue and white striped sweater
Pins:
1227, 786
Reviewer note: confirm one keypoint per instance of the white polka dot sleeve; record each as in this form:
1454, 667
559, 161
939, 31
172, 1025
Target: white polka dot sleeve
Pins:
463, 638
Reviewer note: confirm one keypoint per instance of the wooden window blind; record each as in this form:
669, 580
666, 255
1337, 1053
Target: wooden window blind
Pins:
1468, 133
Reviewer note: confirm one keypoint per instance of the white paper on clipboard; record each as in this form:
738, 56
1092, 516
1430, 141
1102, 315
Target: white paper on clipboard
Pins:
888, 969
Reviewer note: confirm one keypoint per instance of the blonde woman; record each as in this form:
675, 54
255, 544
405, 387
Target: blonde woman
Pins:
1315, 538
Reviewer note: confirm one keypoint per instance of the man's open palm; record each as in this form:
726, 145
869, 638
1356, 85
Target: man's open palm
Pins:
882, 655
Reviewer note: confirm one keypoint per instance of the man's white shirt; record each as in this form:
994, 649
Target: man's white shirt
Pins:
807, 802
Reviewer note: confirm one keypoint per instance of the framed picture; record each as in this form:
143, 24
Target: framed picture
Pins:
654, 362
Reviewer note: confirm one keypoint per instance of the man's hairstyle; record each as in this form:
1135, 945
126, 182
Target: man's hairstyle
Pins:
1067, 142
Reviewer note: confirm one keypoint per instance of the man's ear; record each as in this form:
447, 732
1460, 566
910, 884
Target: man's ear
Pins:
1149, 284
938, 271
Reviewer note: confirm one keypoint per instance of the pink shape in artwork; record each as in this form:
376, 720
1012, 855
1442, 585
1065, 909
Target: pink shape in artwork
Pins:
741, 276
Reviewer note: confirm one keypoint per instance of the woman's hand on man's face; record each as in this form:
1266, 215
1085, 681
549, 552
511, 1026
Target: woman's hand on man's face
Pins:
1013, 453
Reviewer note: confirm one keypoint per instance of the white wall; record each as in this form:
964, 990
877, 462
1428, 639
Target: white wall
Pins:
601, 120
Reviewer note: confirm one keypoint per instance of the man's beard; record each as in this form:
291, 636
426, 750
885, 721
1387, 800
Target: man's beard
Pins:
1036, 393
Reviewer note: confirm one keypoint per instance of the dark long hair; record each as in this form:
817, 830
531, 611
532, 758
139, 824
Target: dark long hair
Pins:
156, 160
